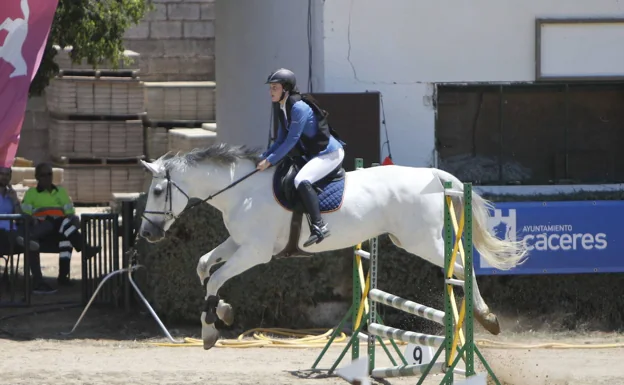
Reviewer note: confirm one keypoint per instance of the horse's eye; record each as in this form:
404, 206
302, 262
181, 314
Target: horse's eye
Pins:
157, 190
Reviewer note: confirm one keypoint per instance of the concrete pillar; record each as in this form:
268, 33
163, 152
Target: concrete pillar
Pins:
252, 39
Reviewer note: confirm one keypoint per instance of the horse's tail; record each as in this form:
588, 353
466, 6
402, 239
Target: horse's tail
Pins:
500, 254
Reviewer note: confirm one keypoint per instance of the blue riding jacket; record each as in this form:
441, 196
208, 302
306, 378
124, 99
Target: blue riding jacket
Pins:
303, 122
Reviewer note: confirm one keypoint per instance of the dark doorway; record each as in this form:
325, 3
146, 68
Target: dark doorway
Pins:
356, 118
532, 133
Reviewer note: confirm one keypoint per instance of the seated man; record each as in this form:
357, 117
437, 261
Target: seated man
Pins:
53, 211
9, 204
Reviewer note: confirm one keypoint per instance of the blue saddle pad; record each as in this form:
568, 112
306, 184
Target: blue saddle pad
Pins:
330, 197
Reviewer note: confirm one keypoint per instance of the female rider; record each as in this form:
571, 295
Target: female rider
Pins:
322, 152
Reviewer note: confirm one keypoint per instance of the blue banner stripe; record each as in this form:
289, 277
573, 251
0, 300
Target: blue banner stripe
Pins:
568, 237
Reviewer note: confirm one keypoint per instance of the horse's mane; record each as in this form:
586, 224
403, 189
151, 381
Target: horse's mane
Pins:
222, 153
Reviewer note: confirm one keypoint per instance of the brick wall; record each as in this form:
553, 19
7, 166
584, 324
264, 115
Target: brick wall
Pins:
176, 41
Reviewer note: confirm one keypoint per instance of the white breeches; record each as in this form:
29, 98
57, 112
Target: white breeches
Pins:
318, 168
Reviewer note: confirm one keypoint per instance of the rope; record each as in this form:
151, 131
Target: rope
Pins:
548, 345
303, 338
317, 338
306, 338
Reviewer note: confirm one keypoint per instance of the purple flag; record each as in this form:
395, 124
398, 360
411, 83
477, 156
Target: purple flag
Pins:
24, 29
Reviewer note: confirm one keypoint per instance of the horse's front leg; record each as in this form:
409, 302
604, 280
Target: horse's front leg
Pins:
219, 254
244, 258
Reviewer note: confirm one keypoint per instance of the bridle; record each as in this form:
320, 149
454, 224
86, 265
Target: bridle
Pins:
168, 213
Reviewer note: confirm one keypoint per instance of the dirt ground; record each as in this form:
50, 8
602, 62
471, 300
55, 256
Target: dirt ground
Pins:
111, 346
95, 361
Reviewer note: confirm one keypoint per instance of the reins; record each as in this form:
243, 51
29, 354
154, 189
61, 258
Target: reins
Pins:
220, 191
168, 214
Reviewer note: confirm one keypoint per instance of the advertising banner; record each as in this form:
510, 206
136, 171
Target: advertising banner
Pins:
562, 237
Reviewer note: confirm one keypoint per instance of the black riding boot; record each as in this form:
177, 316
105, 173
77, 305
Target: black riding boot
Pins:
318, 228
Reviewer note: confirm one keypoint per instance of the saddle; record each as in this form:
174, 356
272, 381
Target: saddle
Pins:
330, 190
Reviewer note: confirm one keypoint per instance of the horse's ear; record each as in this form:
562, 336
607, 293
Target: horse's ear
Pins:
150, 167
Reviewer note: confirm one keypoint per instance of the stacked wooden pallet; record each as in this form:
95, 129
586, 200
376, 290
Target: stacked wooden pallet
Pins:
96, 139
26, 176
95, 96
186, 139
180, 116
157, 141
96, 129
95, 183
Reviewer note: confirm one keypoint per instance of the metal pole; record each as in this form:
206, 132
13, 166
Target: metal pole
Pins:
372, 315
357, 285
84, 265
127, 217
468, 269
26, 222
448, 309
129, 270
372, 312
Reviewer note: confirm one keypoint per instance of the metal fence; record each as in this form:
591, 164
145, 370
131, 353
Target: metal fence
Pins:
15, 287
106, 231
102, 229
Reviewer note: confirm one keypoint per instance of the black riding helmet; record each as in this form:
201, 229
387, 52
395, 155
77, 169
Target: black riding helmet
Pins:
284, 77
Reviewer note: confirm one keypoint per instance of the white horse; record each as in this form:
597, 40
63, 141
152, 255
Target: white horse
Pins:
404, 202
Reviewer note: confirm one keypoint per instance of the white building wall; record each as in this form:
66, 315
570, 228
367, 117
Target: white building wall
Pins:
401, 47
252, 39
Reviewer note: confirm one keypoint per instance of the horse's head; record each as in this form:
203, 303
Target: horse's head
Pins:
204, 173
166, 199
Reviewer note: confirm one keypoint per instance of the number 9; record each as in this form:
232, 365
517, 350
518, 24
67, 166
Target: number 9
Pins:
417, 354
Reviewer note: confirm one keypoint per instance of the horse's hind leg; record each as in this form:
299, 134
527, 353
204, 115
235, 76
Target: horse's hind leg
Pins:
432, 250
483, 314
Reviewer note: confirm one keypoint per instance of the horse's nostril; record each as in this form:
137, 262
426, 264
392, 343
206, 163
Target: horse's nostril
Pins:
146, 233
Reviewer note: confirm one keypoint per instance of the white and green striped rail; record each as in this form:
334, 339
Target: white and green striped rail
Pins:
449, 343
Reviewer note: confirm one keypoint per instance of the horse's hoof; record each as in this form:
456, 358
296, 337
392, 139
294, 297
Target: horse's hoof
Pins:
210, 335
489, 321
225, 313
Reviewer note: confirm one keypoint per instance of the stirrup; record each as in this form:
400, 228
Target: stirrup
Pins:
318, 234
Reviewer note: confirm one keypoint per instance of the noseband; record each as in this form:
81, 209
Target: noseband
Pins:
168, 213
